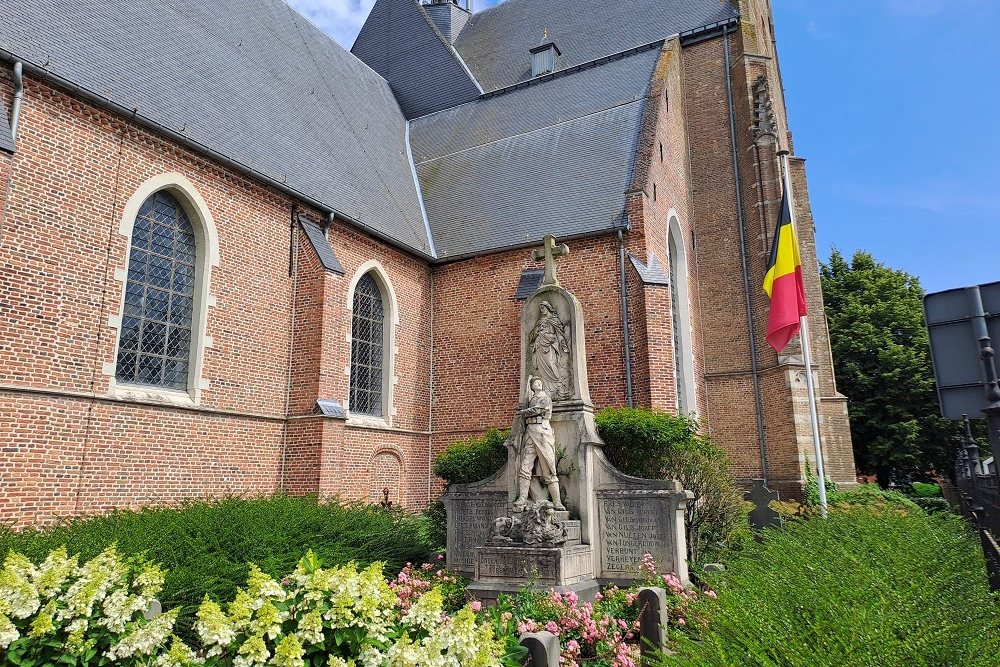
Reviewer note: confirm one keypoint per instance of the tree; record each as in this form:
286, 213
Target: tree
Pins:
882, 361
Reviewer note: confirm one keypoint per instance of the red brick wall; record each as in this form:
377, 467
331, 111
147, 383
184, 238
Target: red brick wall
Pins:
69, 446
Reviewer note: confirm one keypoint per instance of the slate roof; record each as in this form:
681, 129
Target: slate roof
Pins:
249, 79
401, 43
553, 157
495, 42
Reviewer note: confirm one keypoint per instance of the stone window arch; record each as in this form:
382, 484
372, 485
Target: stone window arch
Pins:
161, 321
372, 336
680, 317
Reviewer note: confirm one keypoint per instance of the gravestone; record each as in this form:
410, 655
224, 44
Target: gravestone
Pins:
763, 515
559, 515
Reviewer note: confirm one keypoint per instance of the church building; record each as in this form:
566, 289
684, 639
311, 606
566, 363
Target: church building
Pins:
237, 258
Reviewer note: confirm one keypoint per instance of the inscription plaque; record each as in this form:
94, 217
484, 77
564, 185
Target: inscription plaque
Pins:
469, 519
633, 525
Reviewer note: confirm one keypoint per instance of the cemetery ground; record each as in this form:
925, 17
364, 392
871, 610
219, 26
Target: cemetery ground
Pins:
293, 581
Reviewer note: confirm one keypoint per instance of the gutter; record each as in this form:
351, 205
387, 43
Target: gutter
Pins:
186, 141
15, 110
748, 303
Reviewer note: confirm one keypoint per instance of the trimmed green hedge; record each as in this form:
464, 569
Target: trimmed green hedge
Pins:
473, 459
657, 445
876, 585
207, 546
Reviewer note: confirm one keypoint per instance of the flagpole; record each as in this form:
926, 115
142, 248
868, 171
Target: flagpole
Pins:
807, 359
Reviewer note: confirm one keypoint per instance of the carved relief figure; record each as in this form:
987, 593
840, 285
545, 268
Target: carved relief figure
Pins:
537, 527
537, 446
549, 345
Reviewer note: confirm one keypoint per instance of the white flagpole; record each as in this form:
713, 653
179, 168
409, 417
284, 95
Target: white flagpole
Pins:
807, 359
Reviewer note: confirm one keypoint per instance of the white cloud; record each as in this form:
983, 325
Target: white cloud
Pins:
341, 19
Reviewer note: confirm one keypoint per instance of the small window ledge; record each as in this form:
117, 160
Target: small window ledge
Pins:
140, 394
367, 421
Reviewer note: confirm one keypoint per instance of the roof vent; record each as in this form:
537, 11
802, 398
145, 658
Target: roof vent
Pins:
543, 56
449, 16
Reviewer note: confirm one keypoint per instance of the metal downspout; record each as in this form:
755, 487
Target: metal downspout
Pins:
754, 365
15, 109
623, 291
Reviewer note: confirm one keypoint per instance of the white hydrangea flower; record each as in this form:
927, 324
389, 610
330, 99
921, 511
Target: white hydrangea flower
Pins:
213, 627
8, 632
253, 652
179, 655
54, 571
310, 628
144, 639
18, 595
426, 611
96, 578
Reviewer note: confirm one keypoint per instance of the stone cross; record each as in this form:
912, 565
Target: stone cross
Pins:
549, 252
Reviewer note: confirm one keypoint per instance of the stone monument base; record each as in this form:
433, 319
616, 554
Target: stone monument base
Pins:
506, 569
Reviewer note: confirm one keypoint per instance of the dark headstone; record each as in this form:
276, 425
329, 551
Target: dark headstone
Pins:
763, 516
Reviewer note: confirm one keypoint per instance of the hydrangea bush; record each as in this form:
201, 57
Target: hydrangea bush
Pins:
62, 613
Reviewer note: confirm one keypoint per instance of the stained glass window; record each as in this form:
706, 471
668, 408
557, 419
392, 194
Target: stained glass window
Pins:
367, 348
155, 345
677, 325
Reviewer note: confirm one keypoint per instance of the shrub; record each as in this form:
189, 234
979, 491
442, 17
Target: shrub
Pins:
206, 546
473, 459
657, 445
932, 505
61, 612
869, 586
925, 490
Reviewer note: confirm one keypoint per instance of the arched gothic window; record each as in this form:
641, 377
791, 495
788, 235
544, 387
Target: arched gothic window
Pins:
155, 344
368, 335
680, 317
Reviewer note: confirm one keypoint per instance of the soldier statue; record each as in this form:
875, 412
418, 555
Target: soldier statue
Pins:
538, 445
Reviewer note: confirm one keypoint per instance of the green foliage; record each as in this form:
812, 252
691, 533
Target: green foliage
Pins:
925, 490
863, 587
882, 361
812, 487
206, 546
932, 505
473, 459
656, 445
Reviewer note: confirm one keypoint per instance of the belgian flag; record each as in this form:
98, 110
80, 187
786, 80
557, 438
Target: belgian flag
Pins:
783, 282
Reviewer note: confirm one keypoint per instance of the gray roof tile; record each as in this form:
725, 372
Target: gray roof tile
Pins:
554, 157
400, 42
495, 42
249, 79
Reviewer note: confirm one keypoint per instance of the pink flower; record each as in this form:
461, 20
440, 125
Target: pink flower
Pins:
476, 605
598, 596
710, 593
681, 621
552, 627
440, 556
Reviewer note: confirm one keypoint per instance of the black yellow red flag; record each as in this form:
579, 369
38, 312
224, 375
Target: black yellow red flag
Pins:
783, 282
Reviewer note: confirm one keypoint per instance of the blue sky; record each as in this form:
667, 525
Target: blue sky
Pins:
895, 104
